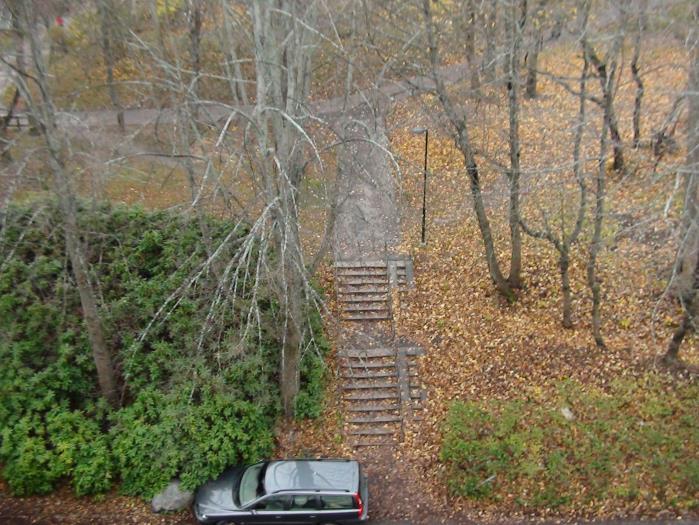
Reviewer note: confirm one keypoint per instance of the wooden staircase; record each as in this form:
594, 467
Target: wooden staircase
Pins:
380, 390
372, 393
363, 290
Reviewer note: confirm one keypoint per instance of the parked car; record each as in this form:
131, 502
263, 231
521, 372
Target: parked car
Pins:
299, 491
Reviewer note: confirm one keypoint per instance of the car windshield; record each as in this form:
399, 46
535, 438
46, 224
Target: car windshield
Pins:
251, 485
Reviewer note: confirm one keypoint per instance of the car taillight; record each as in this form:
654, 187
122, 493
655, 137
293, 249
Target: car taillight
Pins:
359, 503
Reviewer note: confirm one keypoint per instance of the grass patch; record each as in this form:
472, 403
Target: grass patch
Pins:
635, 443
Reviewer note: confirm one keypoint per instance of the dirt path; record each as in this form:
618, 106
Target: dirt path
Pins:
367, 224
367, 228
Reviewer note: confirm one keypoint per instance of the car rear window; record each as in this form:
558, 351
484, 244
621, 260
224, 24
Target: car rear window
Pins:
338, 502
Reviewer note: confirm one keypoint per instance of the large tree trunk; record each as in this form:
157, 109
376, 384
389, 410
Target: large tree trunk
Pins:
533, 64
470, 45
283, 48
617, 146
107, 16
516, 25
564, 266
44, 112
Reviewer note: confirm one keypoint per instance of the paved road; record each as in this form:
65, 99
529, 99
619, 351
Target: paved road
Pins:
218, 113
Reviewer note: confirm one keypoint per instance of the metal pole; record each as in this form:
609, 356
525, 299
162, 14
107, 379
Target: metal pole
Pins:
424, 188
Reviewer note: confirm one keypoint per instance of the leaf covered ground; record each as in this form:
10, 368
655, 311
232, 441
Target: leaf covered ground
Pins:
479, 348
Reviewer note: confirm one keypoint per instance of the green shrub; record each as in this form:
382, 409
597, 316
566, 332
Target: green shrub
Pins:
309, 402
195, 400
639, 432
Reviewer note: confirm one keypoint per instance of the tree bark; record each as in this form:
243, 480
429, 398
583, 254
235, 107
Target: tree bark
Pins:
516, 25
605, 74
470, 45
195, 17
533, 64
490, 14
107, 16
637, 77
564, 266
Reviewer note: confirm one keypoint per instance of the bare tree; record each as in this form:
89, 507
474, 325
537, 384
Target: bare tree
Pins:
606, 69
43, 109
283, 46
106, 10
194, 19
469, 16
638, 34
489, 14
606, 73
516, 17
565, 241
686, 274
537, 37
459, 124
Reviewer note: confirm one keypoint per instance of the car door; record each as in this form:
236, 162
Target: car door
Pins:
268, 510
304, 509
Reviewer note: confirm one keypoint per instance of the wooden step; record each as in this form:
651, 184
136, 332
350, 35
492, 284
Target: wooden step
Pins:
373, 408
373, 444
367, 352
365, 308
375, 419
372, 396
365, 288
369, 375
367, 317
355, 364
360, 282
372, 432
367, 386
375, 298
361, 264
361, 272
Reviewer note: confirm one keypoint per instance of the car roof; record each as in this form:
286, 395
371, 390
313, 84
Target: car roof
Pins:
312, 474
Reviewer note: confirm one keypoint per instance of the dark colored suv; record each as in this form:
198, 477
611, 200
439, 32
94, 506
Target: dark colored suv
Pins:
301, 491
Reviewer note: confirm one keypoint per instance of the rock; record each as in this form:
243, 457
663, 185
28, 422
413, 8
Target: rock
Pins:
173, 498
567, 413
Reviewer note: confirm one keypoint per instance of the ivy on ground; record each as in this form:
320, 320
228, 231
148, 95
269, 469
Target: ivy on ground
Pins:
194, 400
637, 441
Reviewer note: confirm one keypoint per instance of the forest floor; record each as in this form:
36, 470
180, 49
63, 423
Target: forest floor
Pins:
478, 346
